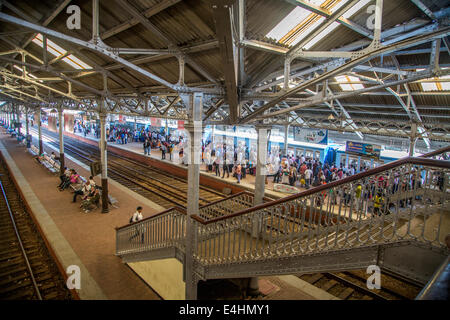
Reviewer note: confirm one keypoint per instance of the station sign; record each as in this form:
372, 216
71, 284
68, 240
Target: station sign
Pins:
319, 136
96, 168
364, 149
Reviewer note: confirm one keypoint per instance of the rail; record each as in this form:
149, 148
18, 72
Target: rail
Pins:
27, 262
438, 286
164, 230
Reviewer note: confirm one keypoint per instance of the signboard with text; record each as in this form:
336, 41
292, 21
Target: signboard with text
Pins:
319, 136
363, 149
180, 124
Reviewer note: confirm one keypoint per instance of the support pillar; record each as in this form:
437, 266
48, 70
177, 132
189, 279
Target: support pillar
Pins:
253, 287
27, 129
104, 162
346, 160
194, 104
18, 120
167, 127
286, 133
413, 139
41, 149
61, 141
359, 165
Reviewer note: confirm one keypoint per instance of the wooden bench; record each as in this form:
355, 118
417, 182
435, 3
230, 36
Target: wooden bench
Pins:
48, 163
33, 150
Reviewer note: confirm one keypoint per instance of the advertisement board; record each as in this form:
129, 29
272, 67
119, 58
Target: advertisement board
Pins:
52, 123
68, 122
364, 149
180, 124
319, 136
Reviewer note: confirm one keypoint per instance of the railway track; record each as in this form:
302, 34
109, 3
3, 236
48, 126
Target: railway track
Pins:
351, 285
27, 269
156, 185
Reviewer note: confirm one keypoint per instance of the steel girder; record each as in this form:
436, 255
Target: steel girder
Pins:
364, 57
101, 50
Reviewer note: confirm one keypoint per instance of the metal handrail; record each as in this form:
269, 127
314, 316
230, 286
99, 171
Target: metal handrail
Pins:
438, 286
33, 280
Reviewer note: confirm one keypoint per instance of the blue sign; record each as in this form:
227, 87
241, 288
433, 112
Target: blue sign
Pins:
365, 149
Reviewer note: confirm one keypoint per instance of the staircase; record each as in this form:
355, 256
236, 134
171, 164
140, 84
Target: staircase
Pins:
324, 229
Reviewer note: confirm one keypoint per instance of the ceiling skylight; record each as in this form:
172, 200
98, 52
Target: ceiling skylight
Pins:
57, 51
347, 83
299, 23
438, 85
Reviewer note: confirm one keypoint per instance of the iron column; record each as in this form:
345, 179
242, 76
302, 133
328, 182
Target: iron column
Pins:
104, 161
260, 180
41, 149
286, 132
194, 104
61, 141
413, 139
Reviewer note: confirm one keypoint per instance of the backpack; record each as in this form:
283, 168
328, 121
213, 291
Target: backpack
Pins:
131, 219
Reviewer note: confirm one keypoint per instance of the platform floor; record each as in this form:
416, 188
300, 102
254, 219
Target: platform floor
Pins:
90, 237
88, 240
248, 182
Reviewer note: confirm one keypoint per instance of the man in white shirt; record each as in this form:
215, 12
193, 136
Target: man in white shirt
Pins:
308, 174
137, 216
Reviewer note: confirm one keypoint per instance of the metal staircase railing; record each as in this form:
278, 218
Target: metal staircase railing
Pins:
167, 229
395, 203
403, 201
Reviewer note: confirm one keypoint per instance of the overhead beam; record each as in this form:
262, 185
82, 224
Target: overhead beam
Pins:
364, 57
224, 30
155, 30
424, 8
154, 10
95, 48
418, 76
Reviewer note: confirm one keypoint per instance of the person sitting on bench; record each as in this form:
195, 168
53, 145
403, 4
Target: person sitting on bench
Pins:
83, 190
92, 200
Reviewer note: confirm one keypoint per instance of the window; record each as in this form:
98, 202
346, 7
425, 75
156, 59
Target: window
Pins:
57, 51
347, 83
299, 23
429, 85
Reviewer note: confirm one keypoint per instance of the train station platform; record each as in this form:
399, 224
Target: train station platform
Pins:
245, 184
87, 240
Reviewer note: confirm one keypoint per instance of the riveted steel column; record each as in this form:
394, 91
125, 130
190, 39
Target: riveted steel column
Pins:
104, 161
38, 113
286, 133
61, 141
253, 287
194, 103
413, 139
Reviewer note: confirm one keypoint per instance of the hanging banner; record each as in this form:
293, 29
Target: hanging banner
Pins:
52, 123
180, 124
156, 122
319, 136
364, 149
121, 118
69, 120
